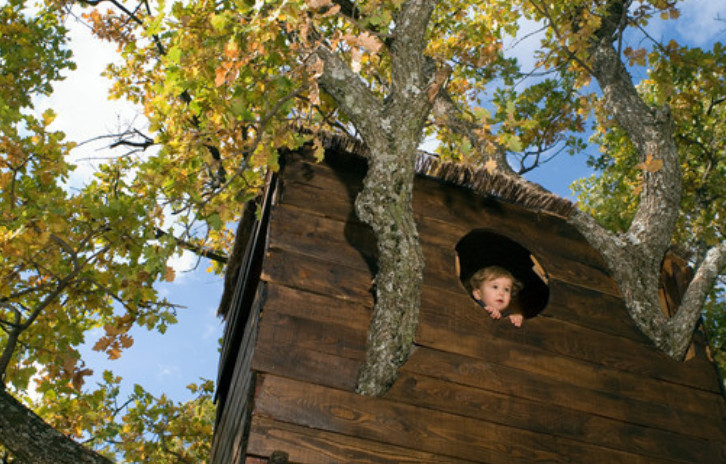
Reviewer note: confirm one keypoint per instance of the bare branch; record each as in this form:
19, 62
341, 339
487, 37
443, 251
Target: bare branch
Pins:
199, 250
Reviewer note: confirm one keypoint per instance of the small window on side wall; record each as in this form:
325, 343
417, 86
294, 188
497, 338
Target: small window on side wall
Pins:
482, 248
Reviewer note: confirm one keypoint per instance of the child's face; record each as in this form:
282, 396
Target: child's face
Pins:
495, 294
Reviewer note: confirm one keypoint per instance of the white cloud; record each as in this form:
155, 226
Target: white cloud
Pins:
81, 101
521, 47
165, 372
699, 23
184, 265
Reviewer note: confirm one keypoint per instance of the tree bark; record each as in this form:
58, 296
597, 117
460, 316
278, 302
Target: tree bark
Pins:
31, 440
635, 257
392, 130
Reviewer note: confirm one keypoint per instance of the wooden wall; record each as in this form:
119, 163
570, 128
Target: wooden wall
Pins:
578, 383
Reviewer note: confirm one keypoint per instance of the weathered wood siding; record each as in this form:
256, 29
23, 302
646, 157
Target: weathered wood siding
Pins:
576, 384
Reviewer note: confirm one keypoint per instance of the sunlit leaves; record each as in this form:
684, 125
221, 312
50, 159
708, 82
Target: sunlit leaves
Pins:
142, 428
32, 56
692, 83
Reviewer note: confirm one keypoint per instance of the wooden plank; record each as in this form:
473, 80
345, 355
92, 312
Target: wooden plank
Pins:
462, 210
317, 307
352, 244
439, 308
472, 337
256, 460
598, 390
473, 332
337, 339
557, 420
297, 230
396, 424
591, 309
310, 446
313, 366
513, 382
341, 373
307, 272
233, 409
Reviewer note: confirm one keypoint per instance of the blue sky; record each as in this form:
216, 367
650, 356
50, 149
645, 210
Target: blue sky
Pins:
189, 349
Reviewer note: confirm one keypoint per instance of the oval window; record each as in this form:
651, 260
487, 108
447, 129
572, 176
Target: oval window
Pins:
482, 248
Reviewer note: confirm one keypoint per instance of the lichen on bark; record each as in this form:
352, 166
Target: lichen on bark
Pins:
392, 129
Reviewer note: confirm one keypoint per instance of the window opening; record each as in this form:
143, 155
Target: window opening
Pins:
481, 248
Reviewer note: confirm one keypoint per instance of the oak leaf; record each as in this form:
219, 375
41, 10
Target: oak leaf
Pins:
370, 42
170, 274
650, 164
78, 377
126, 340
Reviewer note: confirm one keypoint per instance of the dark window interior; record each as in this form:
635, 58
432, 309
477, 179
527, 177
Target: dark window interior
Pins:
481, 248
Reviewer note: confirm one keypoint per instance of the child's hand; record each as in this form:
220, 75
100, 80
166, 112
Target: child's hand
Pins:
493, 313
516, 319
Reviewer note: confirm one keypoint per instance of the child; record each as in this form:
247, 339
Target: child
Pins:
493, 287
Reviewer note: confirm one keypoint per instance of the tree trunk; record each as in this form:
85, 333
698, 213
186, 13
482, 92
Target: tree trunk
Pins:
31, 440
392, 130
385, 204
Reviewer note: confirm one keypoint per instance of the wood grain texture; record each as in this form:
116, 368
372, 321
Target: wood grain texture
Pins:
441, 310
407, 426
545, 377
310, 446
544, 417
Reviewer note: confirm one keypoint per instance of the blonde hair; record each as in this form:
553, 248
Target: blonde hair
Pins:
488, 273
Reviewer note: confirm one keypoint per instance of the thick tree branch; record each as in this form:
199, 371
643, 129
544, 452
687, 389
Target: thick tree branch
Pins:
635, 258
683, 323
354, 98
392, 130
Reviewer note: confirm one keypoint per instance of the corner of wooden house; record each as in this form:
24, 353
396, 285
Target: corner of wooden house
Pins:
576, 383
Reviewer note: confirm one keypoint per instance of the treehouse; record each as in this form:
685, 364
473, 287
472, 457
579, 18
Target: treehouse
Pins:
576, 383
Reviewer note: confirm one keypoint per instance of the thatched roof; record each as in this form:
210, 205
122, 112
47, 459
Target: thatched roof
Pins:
510, 188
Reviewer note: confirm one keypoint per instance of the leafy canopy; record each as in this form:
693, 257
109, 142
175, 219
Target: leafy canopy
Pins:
74, 258
225, 86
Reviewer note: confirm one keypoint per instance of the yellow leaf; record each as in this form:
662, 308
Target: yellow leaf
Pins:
319, 150
48, 117
490, 165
